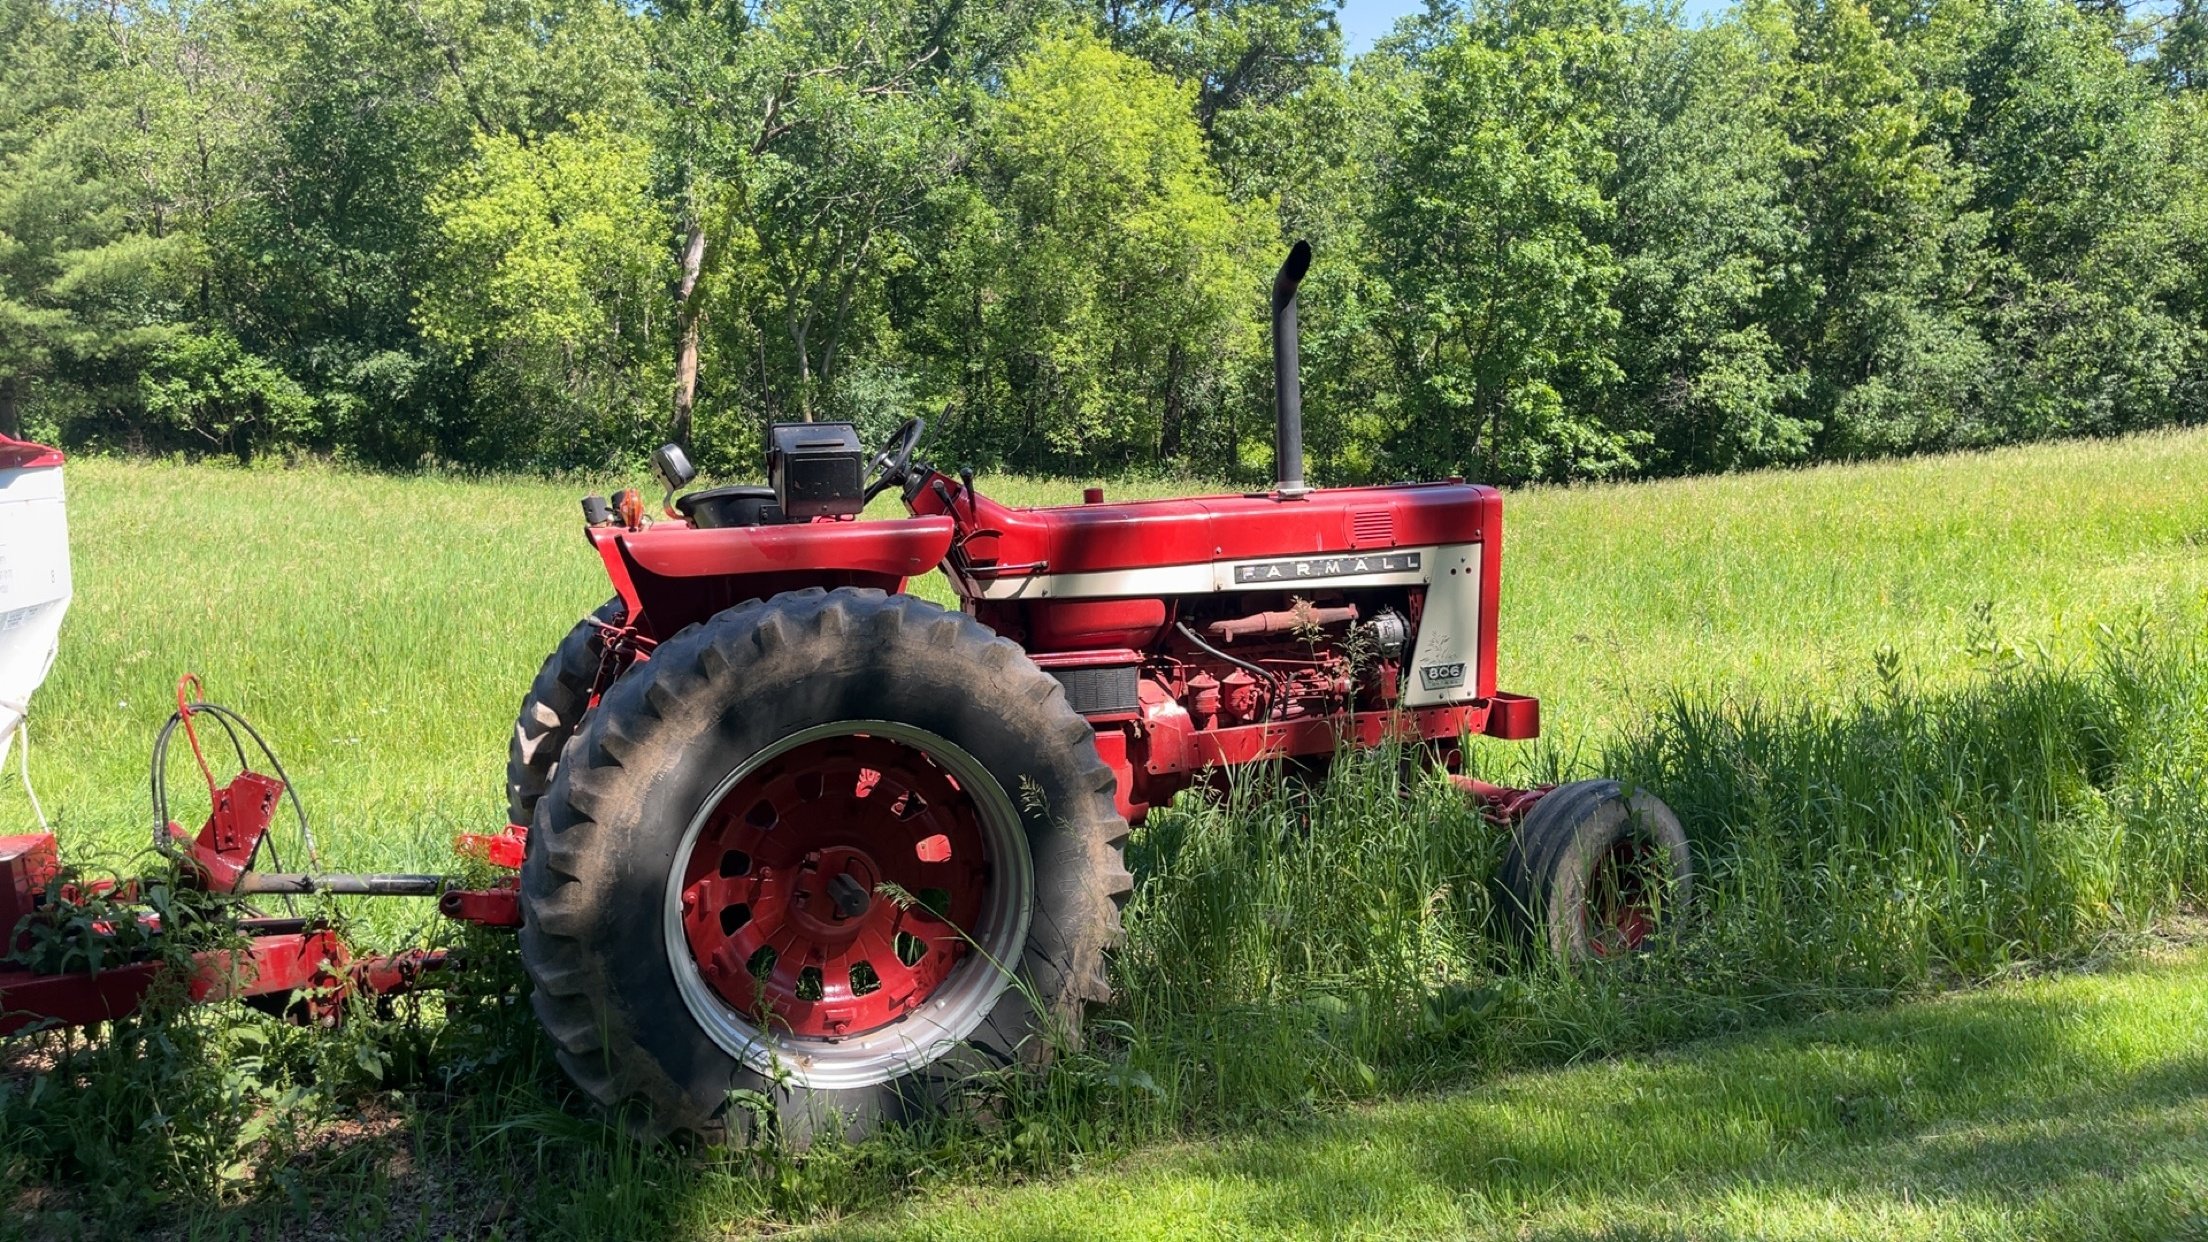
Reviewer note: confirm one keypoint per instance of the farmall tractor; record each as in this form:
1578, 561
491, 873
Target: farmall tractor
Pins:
787, 833
795, 832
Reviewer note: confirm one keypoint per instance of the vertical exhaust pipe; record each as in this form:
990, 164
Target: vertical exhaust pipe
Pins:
1287, 375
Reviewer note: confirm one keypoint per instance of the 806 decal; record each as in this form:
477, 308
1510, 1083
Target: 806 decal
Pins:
1441, 676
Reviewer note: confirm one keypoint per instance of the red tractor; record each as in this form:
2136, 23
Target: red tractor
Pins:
795, 832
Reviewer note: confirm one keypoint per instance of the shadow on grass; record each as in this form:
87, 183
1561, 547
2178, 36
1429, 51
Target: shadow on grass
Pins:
2076, 1107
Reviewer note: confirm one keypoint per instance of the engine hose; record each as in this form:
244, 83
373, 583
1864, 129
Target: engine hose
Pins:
1280, 691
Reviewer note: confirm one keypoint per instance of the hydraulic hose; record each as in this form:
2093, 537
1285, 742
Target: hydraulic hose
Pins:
1280, 692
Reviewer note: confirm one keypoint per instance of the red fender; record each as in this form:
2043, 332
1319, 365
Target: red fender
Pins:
672, 575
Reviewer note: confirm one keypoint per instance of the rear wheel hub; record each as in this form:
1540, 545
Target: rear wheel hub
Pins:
838, 885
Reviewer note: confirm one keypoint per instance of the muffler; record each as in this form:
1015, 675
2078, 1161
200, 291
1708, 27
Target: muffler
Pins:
1287, 376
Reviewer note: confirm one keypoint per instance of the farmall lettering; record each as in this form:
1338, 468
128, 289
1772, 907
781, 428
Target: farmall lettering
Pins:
1326, 567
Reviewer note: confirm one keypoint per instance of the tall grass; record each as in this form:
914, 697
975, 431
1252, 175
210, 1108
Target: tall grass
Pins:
1295, 946
1899, 838
1292, 946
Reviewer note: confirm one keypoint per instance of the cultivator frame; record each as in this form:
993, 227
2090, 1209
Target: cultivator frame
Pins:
302, 965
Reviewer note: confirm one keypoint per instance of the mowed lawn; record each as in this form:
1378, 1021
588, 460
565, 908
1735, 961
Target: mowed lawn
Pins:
2072, 1107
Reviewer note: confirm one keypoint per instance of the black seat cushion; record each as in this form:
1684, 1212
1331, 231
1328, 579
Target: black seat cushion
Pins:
742, 505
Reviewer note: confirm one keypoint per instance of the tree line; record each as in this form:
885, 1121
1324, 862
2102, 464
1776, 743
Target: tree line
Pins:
1555, 238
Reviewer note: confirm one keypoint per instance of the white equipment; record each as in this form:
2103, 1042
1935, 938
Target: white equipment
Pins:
34, 576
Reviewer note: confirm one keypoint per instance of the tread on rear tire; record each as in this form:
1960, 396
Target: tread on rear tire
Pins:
552, 709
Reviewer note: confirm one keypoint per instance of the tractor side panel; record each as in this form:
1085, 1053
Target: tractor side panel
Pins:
1444, 664
1452, 657
1116, 576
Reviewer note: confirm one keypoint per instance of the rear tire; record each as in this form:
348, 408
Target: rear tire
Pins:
762, 737
555, 704
1595, 872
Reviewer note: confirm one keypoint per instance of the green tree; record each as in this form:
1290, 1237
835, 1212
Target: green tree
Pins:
553, 255
553, 242
1709, 248
1556, 238
1488, 237
1333, 173
206, 385
2077, 182
1110, 292
107, 156
2181, 56
1241, 54
1895, 361
50, 205
809, 135
371, 105
828, 213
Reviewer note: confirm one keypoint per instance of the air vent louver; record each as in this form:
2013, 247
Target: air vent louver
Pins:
1372, 528
1093, 691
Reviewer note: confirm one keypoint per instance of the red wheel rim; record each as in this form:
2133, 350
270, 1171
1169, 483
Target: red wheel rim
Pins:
827, 892
1621, 906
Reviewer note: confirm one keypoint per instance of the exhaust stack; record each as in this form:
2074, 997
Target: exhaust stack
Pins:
1287, 376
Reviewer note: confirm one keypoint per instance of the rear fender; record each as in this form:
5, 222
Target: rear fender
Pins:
672, 575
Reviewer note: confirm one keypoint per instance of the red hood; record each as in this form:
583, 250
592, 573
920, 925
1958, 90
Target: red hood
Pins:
22, 454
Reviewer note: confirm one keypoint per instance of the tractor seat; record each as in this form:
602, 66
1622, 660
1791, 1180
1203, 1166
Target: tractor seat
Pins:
742, 505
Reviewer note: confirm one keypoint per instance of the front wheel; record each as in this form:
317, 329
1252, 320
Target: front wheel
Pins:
827, 855
1595, 870
557, 701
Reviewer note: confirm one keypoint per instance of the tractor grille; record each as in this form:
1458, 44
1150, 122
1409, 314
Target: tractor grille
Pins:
1094, 691
1372, 528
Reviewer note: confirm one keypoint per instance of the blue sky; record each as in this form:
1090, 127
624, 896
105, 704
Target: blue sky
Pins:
1364, 21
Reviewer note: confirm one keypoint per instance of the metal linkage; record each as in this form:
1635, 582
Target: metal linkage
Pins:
300, 957
1500, 803
341, 883
280, 956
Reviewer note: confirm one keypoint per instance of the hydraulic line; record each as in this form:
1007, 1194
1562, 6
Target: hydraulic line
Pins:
232, 724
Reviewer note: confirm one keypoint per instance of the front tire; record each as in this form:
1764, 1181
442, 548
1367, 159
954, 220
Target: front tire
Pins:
835, 852
555, 705
1595, 871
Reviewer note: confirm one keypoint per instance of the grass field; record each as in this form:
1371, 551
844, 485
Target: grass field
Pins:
1931, 723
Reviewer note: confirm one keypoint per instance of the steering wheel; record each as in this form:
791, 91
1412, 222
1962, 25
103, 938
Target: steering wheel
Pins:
894, 462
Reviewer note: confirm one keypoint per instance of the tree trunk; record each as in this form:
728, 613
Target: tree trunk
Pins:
1169, 430
11, 417
686, 334
801, 327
